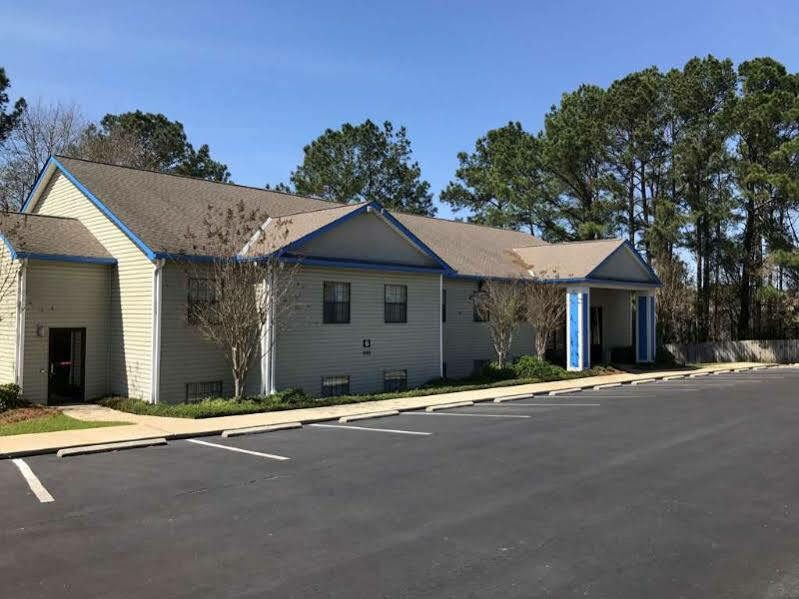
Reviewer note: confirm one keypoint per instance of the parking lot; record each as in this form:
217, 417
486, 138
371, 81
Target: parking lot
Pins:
679, 488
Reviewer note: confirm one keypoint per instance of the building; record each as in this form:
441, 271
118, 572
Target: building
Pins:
97, 304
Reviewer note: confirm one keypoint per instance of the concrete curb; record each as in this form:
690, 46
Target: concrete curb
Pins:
369, 415
673, 377
606, 386
219, 430
564, 391
254, 430
693, 376
721, 371
516, 397
104, 447
449, 406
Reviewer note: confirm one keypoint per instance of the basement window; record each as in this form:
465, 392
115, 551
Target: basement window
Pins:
200, 391
395, 380
335, 385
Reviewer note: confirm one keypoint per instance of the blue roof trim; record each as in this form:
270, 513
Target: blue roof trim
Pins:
586, 280
419, 243
360, 264
357, 212
68, 258
626, 244
10, 247
99, 205
36, 184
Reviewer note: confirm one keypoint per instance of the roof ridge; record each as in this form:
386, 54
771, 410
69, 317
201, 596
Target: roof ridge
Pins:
340, 205
145, 170
579, 241
465, 222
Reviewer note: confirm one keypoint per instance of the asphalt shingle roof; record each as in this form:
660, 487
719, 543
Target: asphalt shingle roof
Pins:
575, 259
51, 236
161, 208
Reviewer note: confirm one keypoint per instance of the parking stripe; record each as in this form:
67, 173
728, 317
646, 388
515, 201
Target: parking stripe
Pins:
542, 405
247, 451
378, 430
468, 414
33, 481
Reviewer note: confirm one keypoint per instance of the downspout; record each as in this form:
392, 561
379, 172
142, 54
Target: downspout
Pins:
266, 338
22, 302
158, 270
272, 344
440, 326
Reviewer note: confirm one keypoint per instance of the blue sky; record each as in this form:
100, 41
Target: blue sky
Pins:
259, 80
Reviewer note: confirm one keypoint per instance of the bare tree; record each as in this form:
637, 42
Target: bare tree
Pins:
123, 148
242, 287
42, 130
545, 308
674, 301
501, 305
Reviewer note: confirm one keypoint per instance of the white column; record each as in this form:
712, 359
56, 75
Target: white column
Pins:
645, 321
22, 303
155, 383
578, 331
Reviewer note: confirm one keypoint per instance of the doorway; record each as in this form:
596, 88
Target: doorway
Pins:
67, 374
596, 335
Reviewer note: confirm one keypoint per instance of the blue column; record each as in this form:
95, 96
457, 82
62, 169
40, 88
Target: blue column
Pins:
578, 331
646, 343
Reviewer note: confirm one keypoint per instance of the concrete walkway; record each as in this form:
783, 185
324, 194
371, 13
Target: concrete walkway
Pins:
148, 427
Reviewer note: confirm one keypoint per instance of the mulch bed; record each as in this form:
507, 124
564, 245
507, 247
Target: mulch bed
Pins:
27, 413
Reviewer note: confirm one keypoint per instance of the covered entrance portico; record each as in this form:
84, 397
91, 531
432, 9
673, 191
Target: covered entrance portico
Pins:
601, 319
610, 300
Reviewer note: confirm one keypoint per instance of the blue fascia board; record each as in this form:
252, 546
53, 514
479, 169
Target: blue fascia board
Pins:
585, 280
36, 184
357, 212
408, 233
360, 264
98, 204
68, 258
10, 247
626, 244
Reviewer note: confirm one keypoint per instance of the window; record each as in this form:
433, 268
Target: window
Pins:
443, 305
396, 303
200, 391
335, 385
336, 303
202, 296
395, 380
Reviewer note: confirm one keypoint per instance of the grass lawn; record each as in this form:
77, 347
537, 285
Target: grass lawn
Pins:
294, 399
42, 420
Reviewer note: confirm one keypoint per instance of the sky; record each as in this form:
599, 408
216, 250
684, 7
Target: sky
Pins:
259, 80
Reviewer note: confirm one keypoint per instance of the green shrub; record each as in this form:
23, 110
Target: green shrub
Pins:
664, 356
10, 397
533, 367
492, 372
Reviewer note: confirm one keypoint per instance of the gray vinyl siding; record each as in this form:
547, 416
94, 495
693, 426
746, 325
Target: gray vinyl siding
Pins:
308, 349
186, 357
366, 237
66, 295
8, 315
131, 288
465, 340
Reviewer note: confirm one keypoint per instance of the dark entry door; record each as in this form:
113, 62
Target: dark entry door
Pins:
67, 365
596, 335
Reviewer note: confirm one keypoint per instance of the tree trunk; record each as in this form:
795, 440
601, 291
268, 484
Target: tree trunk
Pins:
744, 296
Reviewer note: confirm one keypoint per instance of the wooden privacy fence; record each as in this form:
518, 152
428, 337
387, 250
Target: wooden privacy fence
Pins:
749, 350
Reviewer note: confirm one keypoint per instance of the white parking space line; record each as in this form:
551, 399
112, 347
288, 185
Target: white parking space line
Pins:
236, 449
542, 405
377, 430
33, 481
468, 414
